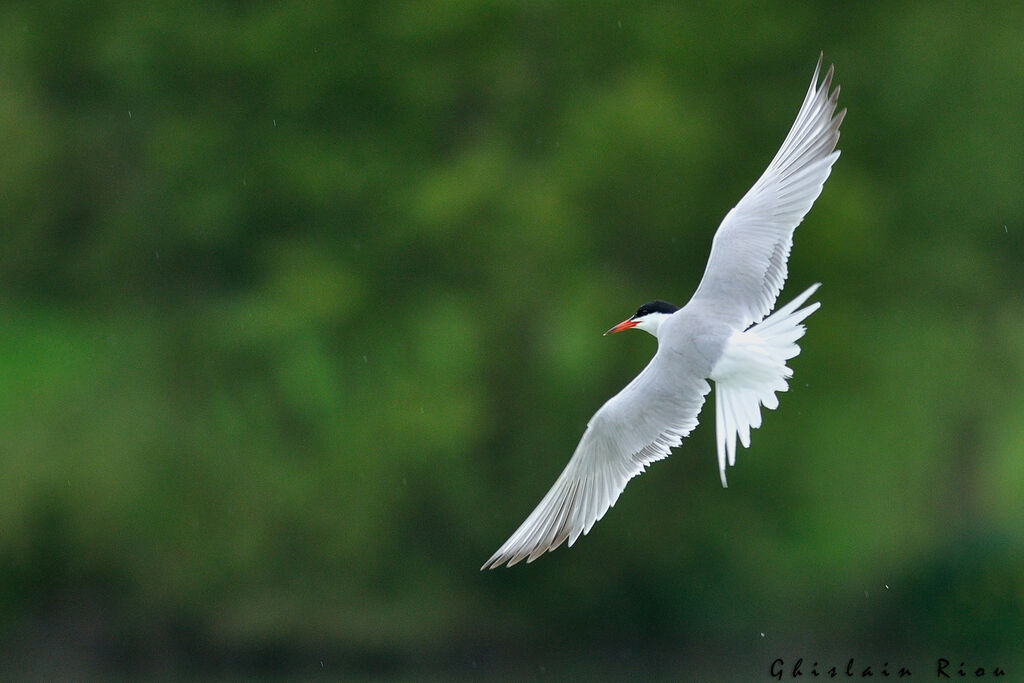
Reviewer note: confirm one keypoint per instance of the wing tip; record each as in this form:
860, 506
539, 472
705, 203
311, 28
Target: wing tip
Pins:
825, 84
504, 558
513, 556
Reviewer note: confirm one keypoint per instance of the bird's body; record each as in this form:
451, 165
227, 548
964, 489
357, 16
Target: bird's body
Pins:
722, 334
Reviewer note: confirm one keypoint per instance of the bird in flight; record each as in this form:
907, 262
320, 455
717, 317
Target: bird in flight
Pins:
721, 334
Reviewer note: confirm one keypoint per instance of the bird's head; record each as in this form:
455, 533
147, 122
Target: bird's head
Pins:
648, 318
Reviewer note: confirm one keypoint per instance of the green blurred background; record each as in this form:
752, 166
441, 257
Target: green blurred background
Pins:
301, 309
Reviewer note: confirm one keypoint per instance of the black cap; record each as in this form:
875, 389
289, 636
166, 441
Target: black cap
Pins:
656, 306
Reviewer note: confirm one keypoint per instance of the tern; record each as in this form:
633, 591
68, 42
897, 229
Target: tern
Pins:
724, 334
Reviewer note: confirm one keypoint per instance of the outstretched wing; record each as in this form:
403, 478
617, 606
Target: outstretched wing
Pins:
747, 266
634, 428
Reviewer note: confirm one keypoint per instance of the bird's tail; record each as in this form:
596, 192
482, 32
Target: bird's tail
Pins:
752, 368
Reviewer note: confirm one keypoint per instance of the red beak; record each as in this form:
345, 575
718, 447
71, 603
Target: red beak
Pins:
624, 325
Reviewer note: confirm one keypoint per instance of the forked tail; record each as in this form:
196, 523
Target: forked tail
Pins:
752, 368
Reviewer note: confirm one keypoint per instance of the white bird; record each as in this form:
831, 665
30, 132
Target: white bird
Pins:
721, 334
